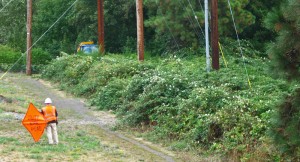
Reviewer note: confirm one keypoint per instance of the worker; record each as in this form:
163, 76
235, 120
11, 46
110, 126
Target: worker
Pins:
50, 115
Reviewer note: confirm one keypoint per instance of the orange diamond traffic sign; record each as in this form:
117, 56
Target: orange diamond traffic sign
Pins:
34, 122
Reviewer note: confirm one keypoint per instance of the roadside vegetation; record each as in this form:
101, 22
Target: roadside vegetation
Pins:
176, 102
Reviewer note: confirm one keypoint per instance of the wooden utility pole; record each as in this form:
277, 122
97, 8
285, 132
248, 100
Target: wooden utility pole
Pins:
29, 24
101, 25
140, 29
214, 35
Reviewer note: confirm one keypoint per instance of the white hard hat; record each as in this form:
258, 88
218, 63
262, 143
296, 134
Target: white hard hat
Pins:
48, 100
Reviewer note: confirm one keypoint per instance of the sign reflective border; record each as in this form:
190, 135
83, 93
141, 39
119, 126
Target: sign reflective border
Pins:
34, 122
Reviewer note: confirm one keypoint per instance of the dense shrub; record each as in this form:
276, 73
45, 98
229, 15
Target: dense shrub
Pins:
89, 74
152, 89
109, 97
16, 61
8, 55
9, 58
233, 47
68, 69
40, 57
223, 111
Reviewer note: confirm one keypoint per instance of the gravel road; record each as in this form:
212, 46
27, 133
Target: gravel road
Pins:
84, 115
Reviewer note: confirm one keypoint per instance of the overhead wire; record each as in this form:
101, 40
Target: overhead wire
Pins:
53, 24
196, 18
12, 66
202, 6
191, 20
39, 38
170, 30
196, 30
239, 42
220, 46
5, 6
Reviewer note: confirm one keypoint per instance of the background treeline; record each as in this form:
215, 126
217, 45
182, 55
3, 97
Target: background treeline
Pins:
169, 25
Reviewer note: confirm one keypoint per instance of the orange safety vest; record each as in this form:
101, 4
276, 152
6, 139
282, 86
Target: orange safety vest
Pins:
49, 113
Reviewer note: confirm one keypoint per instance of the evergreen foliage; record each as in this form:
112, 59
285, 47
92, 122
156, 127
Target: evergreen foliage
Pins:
174, 21
258, 33
284, 53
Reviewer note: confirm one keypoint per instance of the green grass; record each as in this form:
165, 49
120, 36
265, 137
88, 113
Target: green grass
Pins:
16, 98
5, 140
77, 142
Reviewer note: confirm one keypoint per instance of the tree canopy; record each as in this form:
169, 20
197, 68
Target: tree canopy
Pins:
169, 25
284, 53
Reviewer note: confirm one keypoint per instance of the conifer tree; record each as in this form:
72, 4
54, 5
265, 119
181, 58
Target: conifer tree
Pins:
175, 20
285, 55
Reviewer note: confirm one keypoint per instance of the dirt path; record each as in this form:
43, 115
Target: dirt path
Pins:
81, 114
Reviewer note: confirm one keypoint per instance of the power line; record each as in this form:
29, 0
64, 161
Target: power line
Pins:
191, 20
196, 18
201, 5
53, 24
194, 28
170, 30
240, 47
5, 6
39, 38
22, 55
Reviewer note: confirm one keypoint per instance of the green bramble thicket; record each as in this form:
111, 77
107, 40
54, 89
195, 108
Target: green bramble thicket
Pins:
178, 101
